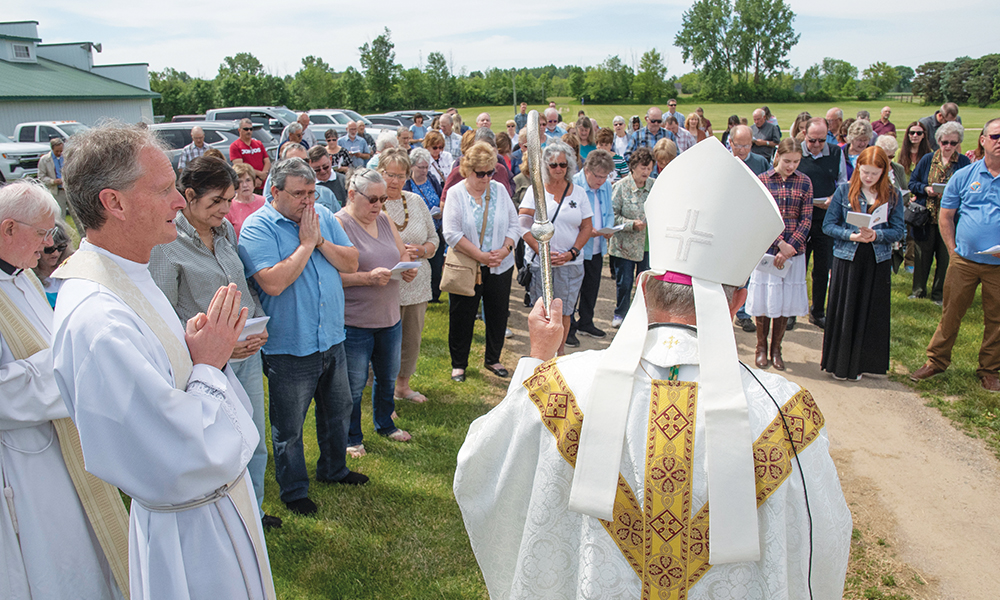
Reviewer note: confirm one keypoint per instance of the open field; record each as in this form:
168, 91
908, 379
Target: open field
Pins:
903, 113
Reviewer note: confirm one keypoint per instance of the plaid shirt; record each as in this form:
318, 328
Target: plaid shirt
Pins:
189, 153
794, 198
643, 138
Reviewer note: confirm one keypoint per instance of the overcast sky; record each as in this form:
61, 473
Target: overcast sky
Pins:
194, 36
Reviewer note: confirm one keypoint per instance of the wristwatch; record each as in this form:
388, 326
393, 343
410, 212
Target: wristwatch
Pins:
510, 248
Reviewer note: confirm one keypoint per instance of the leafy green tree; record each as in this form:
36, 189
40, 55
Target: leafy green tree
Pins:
838, 77
202, 96
927, 82
905, 78
172, 86
441, 84
981, 84
412, 86
953, 78
577, 83
355, 93
314, 85
812, 80
878, 79
378, 61
648, 85
242, 81
766, 33
610, 81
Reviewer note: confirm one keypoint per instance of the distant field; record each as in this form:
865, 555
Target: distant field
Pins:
903, 113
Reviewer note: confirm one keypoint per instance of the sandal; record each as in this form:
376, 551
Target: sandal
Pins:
399, 436
356, 451
412, 396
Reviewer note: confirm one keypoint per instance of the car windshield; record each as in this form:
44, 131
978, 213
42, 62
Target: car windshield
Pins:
342, 118
72, 129
320, 119
286, 114
5, 140
350, 113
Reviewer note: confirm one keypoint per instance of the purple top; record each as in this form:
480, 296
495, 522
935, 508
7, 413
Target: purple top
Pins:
372, 307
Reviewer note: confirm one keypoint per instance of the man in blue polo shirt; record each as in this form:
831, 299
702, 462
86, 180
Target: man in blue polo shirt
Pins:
970, 225
294, 251
356, 146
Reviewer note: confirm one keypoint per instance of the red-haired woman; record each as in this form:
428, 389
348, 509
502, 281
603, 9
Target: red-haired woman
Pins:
856, 338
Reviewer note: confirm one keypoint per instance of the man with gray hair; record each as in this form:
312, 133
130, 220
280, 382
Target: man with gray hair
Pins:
834, 119
553, 130
50, 172
160, 414
324, 195
765, 135
294, 251
740, 141
883, 126
386, 139
484, 120
452, 140
356, 146
193, 150
308, 139
947, 113
48, 499
650, 134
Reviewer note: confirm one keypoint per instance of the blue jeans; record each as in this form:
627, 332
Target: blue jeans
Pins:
293, 382
625, 273
742, 312
381, 348
251, 375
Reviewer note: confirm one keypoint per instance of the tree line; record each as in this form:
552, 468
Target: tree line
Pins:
738, 47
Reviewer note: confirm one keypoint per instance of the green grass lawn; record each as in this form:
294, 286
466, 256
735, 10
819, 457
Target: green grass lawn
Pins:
903, 113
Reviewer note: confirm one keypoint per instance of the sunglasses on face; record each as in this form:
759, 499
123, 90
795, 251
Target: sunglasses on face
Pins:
246, 128
993, 136
52, 249
552, 120
916, 133
948, 143
481, 174
815, 140
671, 105
375, 199
558, 165
656, 121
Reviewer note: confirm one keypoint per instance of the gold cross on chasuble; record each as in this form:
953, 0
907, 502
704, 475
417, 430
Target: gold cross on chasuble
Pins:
667, 547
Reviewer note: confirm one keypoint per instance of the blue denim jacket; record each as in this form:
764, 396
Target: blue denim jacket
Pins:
835, 225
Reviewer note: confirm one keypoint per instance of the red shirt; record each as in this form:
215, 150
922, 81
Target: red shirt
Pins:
252, 155
239, 211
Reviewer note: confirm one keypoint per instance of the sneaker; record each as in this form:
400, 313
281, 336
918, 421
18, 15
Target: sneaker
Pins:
747, 324
572, 342
591, 330
617, 321
527, 300
790, 325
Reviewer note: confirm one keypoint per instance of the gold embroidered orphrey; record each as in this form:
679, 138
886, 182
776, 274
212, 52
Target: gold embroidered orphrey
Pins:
101, 501
95, 267
667, 547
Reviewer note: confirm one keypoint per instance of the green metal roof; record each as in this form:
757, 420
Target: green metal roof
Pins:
48, 80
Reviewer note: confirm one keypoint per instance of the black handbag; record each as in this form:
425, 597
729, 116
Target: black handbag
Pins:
916, 215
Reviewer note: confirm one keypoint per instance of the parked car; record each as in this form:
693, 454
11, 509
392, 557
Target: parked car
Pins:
218, 134
18, 160
389, 121
43, 131
272, 118
187, 118
409, 114
337, 119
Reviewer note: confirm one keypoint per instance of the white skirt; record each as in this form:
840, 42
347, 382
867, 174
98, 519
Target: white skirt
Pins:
772, 296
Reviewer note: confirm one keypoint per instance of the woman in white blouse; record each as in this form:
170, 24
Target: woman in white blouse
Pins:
463, 229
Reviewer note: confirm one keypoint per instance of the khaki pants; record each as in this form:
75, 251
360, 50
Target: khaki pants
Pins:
413, 327
960, 284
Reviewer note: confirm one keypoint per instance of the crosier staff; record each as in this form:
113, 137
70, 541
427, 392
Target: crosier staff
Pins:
542, 229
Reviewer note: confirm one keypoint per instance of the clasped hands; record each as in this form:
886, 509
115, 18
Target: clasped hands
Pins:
211, 336
864, 235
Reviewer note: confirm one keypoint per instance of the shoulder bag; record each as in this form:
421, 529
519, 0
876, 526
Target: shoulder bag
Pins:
461, 273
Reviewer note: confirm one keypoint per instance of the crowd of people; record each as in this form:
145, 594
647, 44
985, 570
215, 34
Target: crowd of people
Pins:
333, 253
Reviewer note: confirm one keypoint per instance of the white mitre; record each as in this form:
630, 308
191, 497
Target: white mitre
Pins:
710, 218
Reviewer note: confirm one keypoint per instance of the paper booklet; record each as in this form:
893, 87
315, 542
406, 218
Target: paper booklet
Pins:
403, 266
993, 250
610, 230
253, 327
859, 219
766, 265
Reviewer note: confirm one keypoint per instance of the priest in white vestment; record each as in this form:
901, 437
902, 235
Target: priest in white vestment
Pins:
48, 548
661, 467
157, 415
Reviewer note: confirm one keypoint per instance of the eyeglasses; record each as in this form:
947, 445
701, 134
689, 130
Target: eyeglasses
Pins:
656, 121
915, 132
741, 146
558, 165
949, 143
396, 176
373, 200
52, 249
320, 169
481, 174
302, 194
552, 120
437, 147
45, 233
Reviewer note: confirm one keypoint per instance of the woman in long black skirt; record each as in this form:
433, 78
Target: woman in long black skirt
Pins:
856, 338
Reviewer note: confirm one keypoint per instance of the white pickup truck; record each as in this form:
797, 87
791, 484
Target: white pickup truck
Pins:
19, 160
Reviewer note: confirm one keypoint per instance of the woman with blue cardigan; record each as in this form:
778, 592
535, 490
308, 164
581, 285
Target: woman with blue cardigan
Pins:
856, 338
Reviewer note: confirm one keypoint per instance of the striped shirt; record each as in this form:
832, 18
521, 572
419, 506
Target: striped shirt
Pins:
794, 199
189, 153
643, 138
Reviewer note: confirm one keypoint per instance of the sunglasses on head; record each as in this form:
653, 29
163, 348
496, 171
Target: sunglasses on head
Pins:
948, 143
558, 165
52, 249
481, 174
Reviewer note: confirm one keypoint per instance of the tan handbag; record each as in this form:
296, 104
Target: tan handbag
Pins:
461, 273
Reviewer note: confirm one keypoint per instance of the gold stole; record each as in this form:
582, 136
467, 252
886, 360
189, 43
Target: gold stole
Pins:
664, 544
101, 501
93, 266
